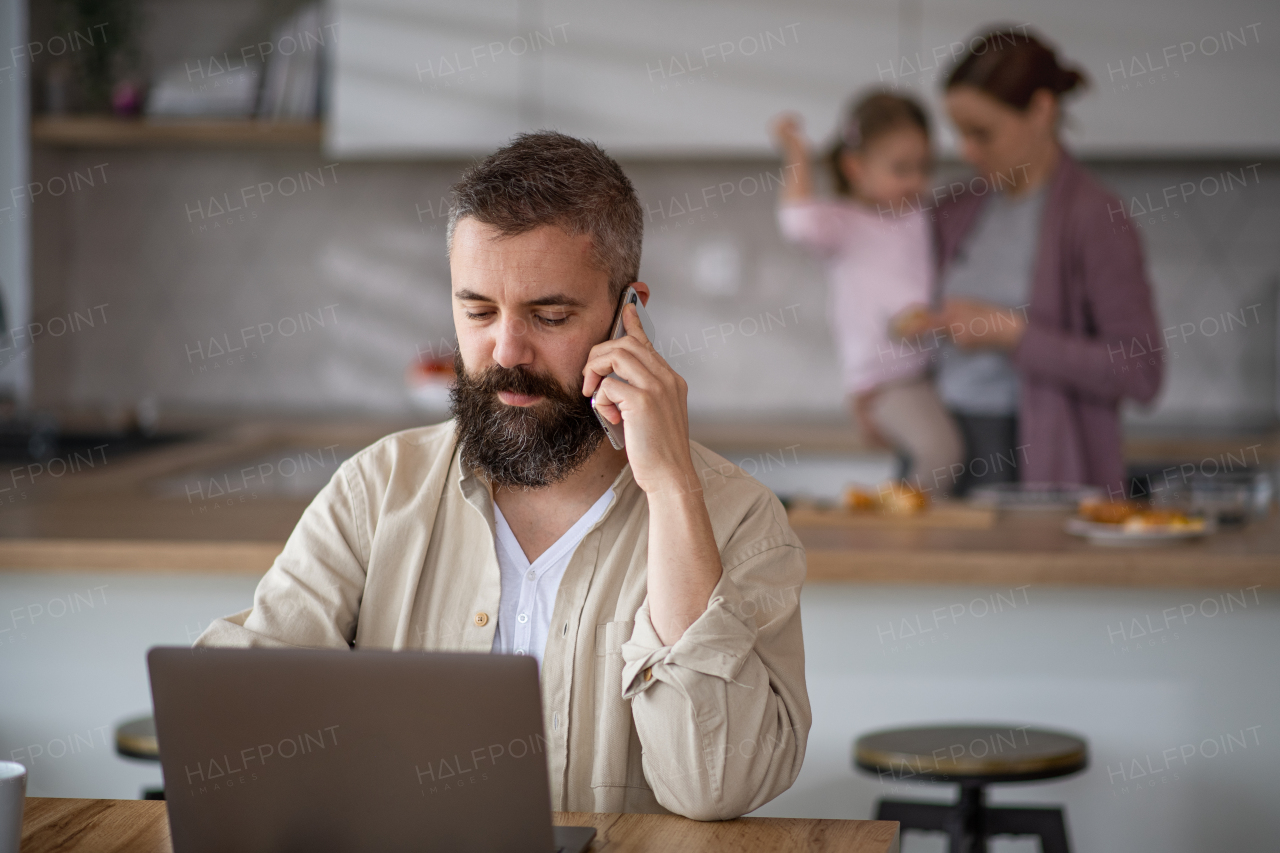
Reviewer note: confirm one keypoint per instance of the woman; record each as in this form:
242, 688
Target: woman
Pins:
1044, 302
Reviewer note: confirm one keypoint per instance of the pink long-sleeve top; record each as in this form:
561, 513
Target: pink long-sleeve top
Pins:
877, 266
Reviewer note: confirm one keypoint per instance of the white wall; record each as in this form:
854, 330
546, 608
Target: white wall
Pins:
739, 313
70, 673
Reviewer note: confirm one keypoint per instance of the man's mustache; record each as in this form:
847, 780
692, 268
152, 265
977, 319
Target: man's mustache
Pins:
517, 380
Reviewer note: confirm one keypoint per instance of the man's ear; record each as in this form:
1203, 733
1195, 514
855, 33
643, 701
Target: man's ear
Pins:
642, 290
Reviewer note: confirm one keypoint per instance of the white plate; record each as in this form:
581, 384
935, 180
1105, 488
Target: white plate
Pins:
1115, 534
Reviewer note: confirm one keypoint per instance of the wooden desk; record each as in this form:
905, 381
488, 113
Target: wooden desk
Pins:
141, 826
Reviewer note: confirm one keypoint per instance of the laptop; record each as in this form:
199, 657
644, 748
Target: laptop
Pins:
281, 750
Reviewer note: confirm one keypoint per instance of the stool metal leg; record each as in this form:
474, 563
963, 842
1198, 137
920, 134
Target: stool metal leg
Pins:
926, 816
1049, 824
964, 822
970, 812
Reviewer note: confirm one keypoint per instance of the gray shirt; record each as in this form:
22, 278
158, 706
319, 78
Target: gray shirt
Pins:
993, 264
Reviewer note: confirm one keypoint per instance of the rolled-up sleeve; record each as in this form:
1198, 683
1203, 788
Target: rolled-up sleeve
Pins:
310, 597
723, 713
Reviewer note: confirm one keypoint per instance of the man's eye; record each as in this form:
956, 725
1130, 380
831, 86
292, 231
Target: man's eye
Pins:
552, 321
476, 315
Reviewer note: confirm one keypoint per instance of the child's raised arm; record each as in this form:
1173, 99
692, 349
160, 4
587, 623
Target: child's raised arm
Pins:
797, 177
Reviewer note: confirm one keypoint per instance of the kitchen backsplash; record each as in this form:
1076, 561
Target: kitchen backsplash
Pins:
283, 281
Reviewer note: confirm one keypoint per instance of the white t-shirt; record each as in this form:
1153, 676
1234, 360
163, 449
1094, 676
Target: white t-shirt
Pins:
529, 589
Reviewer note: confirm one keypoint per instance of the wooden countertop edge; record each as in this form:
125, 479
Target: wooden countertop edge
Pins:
141, 826
139, 555
1100, 567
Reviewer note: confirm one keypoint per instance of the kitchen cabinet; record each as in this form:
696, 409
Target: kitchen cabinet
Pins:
648, 78
1173, 79
671, 79
426, 77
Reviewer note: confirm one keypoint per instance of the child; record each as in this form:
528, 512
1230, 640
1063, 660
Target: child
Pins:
878, 248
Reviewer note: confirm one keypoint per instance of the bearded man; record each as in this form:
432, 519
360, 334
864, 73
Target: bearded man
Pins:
657, 586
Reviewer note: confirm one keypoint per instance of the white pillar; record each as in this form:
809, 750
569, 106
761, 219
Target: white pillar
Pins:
15, 213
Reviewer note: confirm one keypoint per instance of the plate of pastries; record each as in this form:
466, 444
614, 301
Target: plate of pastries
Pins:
1106, 522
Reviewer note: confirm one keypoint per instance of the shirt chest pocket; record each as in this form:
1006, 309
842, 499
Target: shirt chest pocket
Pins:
616, 760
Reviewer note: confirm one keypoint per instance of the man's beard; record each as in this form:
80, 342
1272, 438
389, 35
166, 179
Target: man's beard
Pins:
530, 446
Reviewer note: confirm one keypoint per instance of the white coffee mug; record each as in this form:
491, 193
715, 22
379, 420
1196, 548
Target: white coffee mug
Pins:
13, 790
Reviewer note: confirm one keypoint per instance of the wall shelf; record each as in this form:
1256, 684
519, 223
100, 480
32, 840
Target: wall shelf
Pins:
111, 132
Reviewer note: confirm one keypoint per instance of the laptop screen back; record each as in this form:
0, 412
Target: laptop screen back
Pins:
298, 750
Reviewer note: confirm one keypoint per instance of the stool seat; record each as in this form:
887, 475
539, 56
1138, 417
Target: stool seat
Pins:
137, 739
994, 753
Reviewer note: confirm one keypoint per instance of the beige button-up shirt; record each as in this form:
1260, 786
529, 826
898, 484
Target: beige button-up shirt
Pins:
397, 552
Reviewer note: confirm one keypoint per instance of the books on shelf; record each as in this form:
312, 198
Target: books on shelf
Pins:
181, 92
282, 82
291, 84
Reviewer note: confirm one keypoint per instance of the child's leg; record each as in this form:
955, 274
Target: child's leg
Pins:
912, 416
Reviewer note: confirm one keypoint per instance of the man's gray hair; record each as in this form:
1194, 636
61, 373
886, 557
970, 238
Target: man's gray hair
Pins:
549, 178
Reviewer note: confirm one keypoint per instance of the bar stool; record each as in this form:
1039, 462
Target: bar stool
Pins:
974, 757
136, 738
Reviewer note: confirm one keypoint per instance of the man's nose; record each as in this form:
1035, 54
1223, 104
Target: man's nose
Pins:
511, 345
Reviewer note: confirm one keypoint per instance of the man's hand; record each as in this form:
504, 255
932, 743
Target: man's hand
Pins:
653, 404
684, 560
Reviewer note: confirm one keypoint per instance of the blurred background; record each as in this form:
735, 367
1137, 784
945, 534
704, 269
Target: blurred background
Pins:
222, 249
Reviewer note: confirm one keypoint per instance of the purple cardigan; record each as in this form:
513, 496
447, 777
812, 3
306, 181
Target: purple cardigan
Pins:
1092, 337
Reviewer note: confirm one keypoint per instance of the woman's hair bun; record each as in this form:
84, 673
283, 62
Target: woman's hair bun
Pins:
1011, 64
1069, 80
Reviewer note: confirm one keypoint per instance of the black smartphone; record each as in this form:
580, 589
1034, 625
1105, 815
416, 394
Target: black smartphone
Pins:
629, 297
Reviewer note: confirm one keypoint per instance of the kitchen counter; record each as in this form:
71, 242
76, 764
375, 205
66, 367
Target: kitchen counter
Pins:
225, 502
1033, 548
1017, 549
174, 510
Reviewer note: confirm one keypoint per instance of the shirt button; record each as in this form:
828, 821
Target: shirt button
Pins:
532, 575
522, 618
519, 651
482, 619
648, 674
